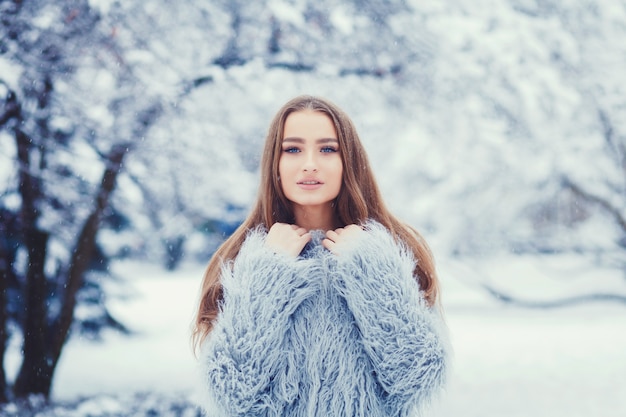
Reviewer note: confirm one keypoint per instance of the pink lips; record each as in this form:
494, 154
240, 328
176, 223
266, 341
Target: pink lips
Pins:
310, 184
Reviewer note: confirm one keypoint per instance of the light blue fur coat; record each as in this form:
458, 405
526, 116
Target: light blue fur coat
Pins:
323, 335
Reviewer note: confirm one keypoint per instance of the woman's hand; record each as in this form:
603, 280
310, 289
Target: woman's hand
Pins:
336, 239
288, 239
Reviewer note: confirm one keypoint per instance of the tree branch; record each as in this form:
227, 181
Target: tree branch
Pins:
585, 195
84, 249
562, 302
609, 135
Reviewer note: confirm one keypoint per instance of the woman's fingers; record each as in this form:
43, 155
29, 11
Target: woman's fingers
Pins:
329, 244
338, 237
287, 238
291, 238
332, 235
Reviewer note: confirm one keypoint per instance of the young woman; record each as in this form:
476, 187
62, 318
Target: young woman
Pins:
321, 303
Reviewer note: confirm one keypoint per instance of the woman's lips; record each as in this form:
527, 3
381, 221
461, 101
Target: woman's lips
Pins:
310, 184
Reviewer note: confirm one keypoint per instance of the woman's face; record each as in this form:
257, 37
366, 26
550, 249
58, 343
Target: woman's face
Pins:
310, 166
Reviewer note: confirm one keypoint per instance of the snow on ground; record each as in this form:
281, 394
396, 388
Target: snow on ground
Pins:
513, 362
509, 361
158, 358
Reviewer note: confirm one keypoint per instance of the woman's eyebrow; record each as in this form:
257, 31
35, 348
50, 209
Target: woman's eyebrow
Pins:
298, 140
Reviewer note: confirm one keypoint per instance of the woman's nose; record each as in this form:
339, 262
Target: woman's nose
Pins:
310, 165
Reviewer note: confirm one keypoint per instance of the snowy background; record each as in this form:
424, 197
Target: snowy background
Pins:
496, 127
509, 361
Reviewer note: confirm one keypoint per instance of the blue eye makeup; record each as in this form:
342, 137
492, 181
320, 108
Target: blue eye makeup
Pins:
323, 149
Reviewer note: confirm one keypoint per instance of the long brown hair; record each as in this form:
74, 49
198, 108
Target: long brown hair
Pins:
359, 200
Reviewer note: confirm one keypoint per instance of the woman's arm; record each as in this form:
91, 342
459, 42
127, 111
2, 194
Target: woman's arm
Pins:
243, 352
404, 338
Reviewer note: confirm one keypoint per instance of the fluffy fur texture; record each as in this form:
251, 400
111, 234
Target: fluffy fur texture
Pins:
323, 335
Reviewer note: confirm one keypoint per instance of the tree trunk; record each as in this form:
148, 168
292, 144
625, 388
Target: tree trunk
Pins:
4, 269
41, 359
35, 374
12, 110
8, 252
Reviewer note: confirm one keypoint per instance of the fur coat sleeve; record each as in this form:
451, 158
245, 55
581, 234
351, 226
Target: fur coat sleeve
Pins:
405, 339
243, 352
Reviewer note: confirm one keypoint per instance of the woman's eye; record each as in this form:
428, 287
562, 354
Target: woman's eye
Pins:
329, 149
291, 149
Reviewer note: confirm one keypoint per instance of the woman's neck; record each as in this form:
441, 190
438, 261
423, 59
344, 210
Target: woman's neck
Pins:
316, 217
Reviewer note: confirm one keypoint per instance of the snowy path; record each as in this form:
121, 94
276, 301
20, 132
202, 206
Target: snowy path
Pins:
511, 363
508, 361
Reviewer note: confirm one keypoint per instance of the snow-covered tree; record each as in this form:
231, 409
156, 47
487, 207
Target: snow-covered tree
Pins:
71, 111
134, 129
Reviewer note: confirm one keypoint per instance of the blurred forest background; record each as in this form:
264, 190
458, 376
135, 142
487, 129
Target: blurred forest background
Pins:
132, 130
